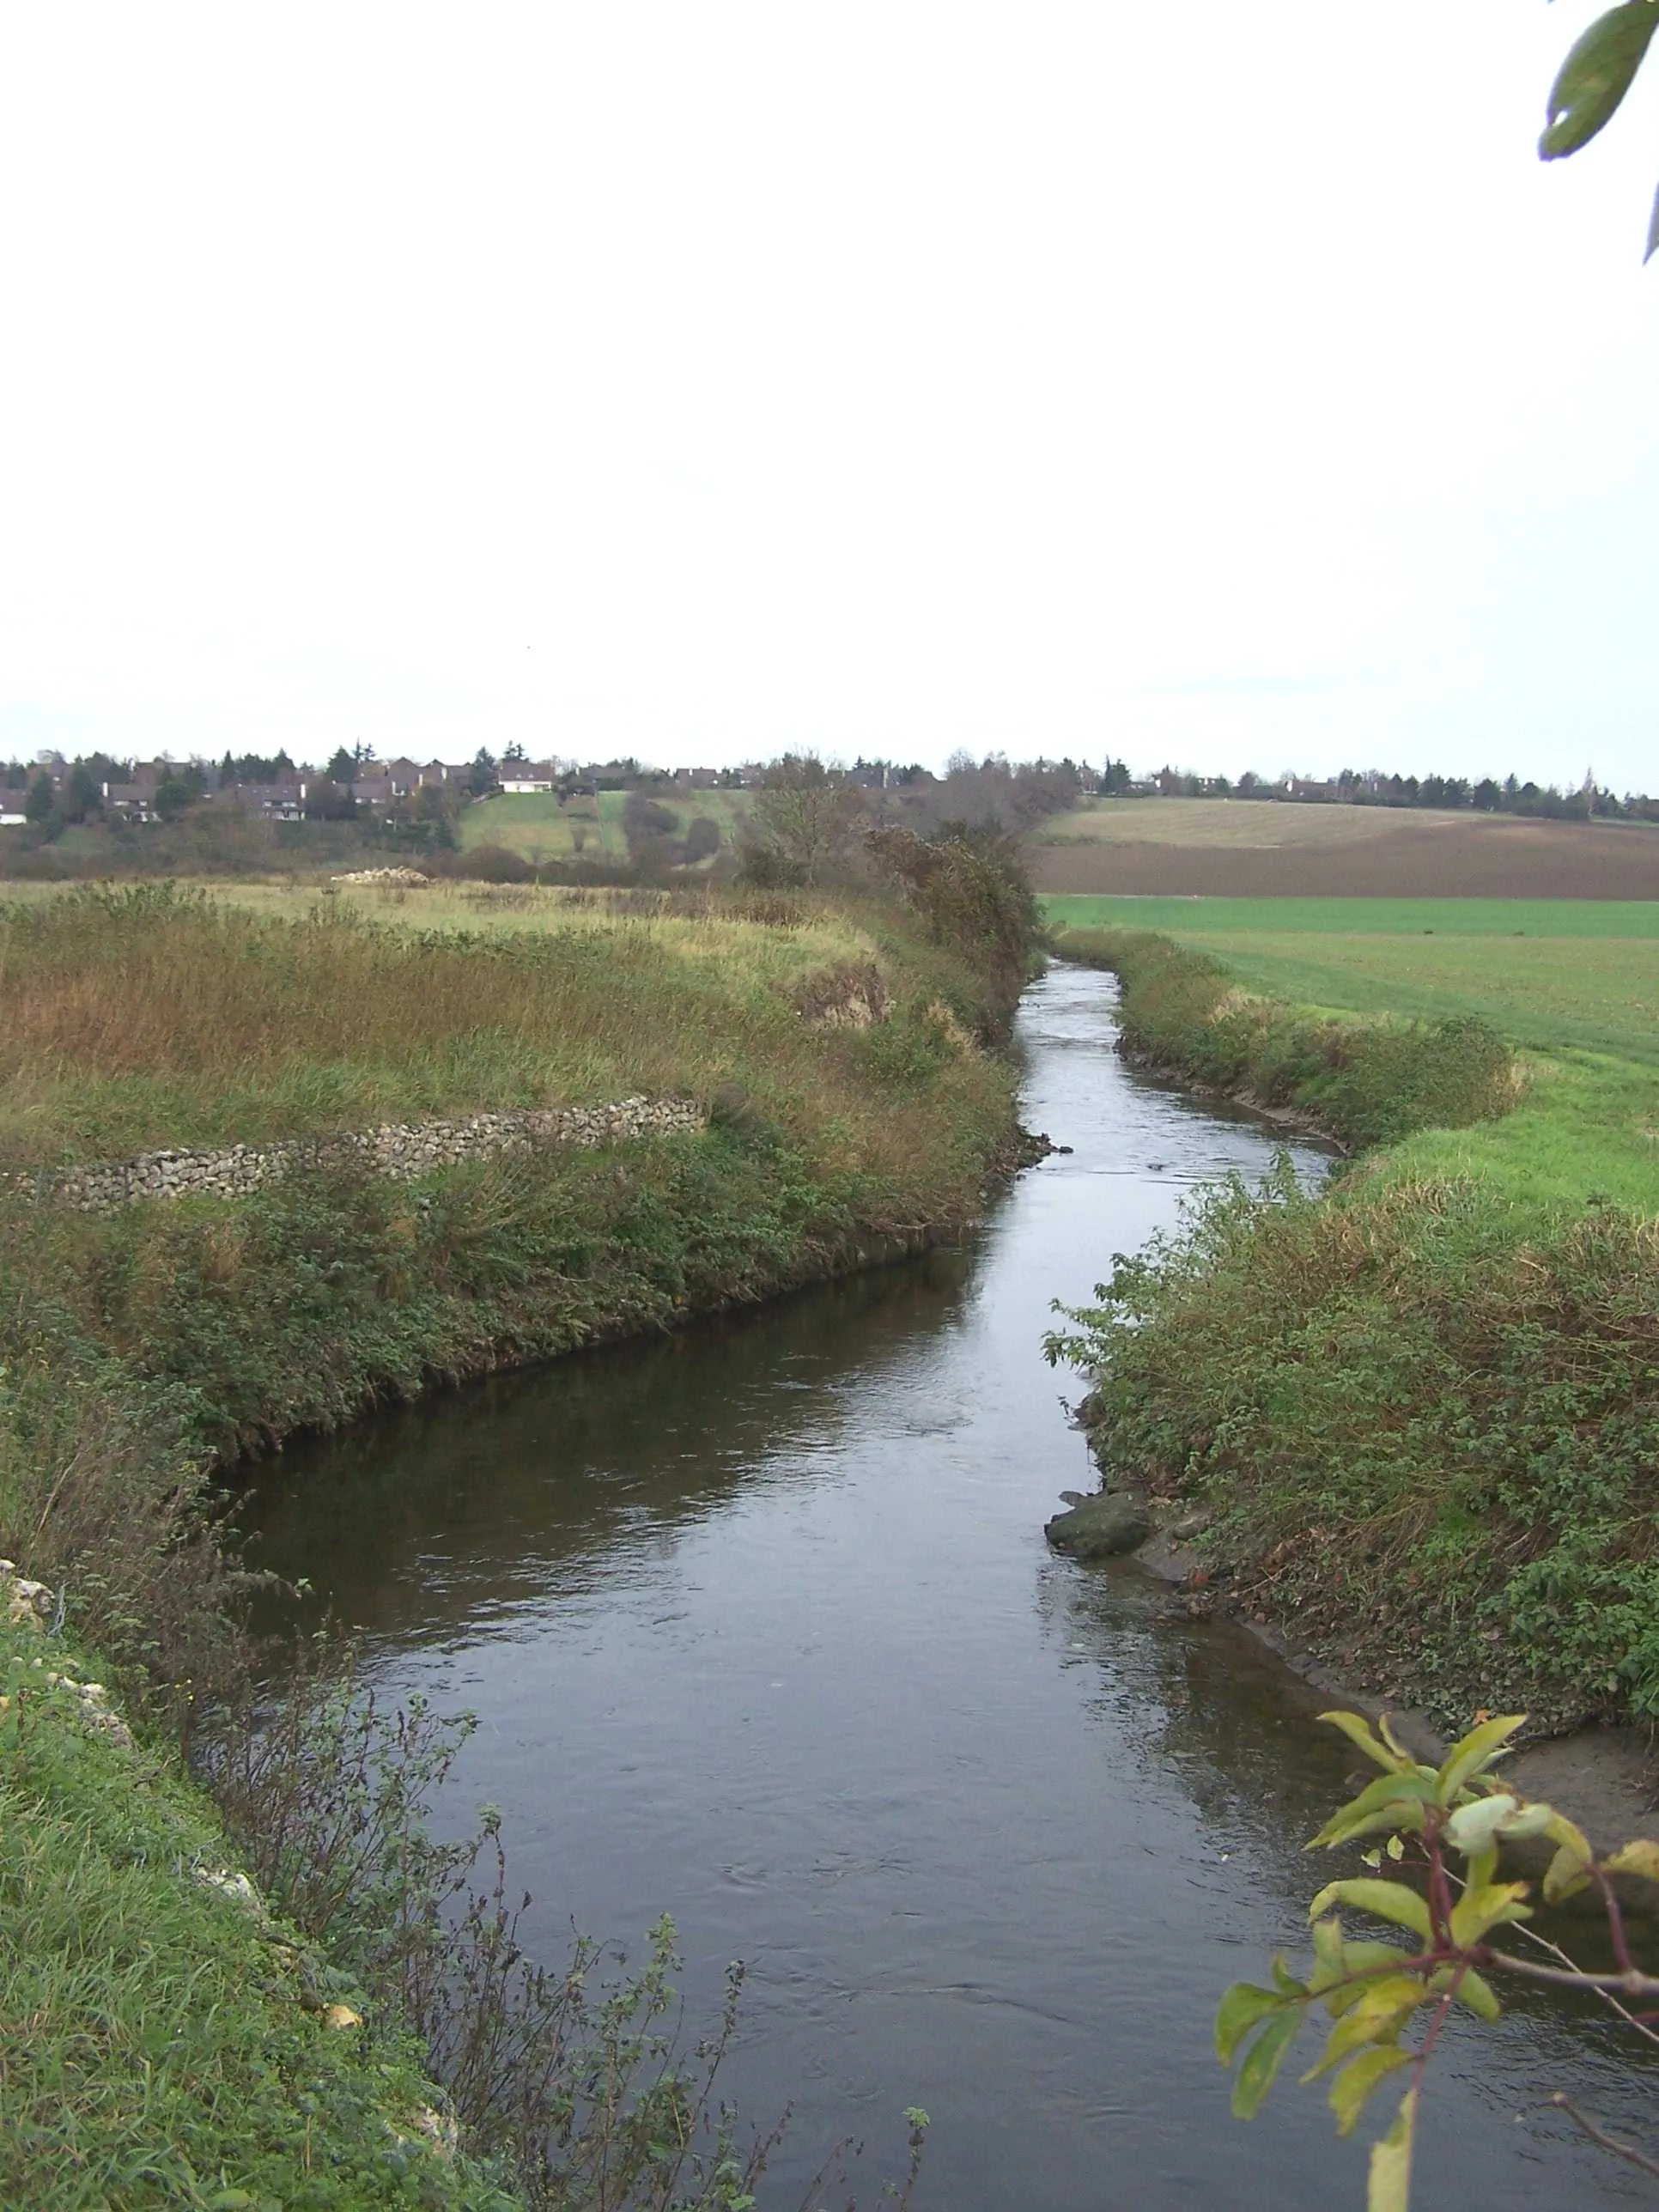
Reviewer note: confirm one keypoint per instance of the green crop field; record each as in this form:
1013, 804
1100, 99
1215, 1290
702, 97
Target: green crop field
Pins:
1574, 983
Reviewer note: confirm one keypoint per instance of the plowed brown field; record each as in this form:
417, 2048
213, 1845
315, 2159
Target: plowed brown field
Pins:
1252, 850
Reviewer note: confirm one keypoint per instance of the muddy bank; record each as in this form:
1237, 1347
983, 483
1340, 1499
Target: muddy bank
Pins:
1606, 1778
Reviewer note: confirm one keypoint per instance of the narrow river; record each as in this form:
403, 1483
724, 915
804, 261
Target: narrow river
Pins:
761, 1631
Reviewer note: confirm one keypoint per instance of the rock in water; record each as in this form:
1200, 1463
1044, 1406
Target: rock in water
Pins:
1101, 1527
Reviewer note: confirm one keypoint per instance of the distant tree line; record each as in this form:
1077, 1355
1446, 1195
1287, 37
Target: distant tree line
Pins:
1375, 788
807, 820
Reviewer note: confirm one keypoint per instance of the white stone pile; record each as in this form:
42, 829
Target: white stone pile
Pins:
400, 1150
25, 1603
387, 879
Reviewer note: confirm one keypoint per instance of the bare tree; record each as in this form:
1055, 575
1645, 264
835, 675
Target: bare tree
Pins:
804, 821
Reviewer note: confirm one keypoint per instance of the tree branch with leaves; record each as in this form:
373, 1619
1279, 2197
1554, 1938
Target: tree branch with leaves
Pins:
1445, 1827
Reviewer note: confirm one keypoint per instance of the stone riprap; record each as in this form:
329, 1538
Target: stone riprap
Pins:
401, 1150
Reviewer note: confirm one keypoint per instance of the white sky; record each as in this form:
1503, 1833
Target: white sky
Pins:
1222, 382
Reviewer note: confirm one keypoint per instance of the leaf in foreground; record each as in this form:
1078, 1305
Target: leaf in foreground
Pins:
1390, 2186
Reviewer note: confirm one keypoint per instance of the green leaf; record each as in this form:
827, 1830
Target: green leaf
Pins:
1377, 1805
1354, 2084
1283, 1980
1359, 1731
1562, 1831
1330, 1963
1565, 1876
1380, 2010
1385, 1900
1390, 1819
1483, 1868
1473, 1828
1477, 1994
1243, 2006
1490, 1906
1362, 1959
1385, 1729
1478, 1750
1262, 2064
1594, 78
1390, 2183
1641, 1857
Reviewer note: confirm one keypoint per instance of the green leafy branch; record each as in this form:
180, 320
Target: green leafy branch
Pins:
1374, 1990
1593, 81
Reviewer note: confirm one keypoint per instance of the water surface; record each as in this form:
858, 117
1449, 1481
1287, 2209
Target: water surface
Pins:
761, 1631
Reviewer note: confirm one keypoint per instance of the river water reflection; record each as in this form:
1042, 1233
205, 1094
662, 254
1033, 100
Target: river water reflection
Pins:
761, 1631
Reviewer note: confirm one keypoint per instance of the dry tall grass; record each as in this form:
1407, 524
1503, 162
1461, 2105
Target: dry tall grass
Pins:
157, 1016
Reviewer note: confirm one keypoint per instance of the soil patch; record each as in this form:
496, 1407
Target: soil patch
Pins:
1486, 859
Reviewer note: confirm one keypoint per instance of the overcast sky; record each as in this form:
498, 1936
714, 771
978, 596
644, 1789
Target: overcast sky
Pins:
1225, 383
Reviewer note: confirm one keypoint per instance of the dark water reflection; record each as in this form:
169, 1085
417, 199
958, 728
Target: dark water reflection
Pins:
761, 1631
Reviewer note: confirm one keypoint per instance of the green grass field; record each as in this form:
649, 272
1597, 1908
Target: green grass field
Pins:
1368, 917
1548, 972
1574, 983
534, 823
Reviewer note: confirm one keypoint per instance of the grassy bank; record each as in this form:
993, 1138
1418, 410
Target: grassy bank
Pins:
1366, 1082
164, 1016
1420, 1410
170, 2044
850, 1108
842, 1052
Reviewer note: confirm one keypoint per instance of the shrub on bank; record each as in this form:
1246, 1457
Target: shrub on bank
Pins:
1422, 1415
1426, 1439
1369, 1083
